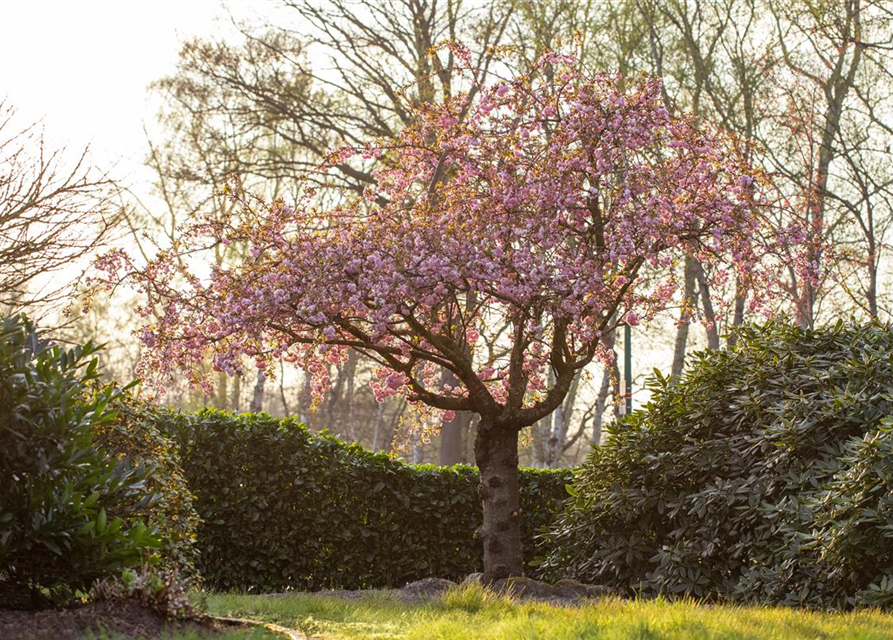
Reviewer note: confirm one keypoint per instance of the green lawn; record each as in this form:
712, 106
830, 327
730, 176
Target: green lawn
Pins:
473, 613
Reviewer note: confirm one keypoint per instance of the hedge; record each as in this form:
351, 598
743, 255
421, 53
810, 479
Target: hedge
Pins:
765, 475
285, 508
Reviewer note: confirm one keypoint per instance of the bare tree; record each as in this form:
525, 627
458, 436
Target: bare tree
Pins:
54, 211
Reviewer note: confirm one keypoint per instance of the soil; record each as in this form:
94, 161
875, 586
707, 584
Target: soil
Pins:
127, 619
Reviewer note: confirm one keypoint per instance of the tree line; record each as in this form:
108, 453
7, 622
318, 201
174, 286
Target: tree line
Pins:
808, 83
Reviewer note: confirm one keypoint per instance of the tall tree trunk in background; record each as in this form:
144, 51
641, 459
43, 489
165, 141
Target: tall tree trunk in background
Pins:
688, 300
871, 294
738, 314
351, 374
556, 428
222, 399
453, 433
286, 412
395, 423
471, 437
333, 402
538, 434
236, 400
379, 424
610, 382
600, 403
707, 306
257, 397
304, 400
496, 455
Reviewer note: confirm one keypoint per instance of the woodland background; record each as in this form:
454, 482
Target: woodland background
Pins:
809, 81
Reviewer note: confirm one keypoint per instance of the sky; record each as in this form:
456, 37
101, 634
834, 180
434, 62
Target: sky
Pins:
83, 68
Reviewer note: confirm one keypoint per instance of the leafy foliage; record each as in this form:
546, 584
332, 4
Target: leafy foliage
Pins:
134, 434
161, 591
282, 507
766, 474
67, 511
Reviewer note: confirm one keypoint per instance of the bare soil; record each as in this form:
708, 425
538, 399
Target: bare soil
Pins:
126, 619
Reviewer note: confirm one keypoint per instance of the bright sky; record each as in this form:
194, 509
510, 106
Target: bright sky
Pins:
83, 67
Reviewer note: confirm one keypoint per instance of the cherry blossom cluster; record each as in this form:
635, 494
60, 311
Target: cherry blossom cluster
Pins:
508, 230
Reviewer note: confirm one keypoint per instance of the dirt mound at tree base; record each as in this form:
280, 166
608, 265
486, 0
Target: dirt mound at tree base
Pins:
122, 618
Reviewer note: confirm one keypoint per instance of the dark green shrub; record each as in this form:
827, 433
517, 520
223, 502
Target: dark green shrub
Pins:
764, 475
63, 519
134, 435
282, 507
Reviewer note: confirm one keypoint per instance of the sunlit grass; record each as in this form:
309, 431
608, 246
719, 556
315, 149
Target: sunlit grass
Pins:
479, 614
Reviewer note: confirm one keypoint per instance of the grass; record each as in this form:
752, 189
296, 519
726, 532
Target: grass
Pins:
253, 634
475, 613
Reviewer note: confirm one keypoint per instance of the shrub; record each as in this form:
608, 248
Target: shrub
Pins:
134, 434
282, 508
58, 491
161, 591
764, 475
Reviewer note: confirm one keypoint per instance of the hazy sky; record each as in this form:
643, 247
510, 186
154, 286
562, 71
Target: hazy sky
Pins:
83, 67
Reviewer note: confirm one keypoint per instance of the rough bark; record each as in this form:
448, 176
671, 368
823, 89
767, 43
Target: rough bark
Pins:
496, 454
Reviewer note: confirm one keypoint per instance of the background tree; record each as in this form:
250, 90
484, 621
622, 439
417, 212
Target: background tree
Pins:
566, 202
259, 109
54, 210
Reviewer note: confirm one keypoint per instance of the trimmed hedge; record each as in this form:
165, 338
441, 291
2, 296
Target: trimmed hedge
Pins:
765, 475
285, 508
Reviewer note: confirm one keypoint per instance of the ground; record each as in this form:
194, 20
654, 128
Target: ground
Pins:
113, 620
427, 611
475, 614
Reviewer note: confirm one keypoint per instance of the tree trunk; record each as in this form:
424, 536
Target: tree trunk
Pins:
738, 316
351, 373
496, 454
707, 305
379, 423
222, 399
688, 300
237, 394
871, 294
304, 400
600, 403
539, 432
286, 412
257, 396
452, 433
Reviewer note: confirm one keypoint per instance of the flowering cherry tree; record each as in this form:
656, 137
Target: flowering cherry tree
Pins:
534, 215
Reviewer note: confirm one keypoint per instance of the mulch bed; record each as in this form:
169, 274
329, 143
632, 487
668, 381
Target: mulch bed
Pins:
123, 618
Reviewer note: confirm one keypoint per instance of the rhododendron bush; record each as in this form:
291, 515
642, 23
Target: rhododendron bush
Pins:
532, 215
